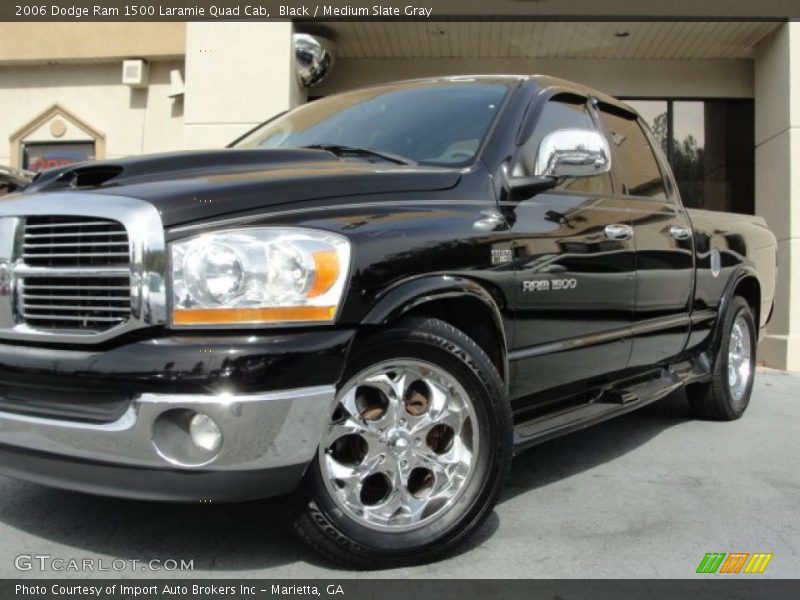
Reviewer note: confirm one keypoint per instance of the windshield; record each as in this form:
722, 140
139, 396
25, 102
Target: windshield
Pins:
435, 123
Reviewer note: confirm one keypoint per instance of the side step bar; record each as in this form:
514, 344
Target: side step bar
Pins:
615, 400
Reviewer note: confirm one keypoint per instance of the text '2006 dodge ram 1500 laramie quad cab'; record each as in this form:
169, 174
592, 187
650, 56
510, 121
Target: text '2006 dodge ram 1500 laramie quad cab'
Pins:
371, 302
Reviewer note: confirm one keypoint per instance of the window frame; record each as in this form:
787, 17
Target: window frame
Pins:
666, 181
671, 192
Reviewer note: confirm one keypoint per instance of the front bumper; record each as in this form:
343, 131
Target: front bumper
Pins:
268, 439
270, 432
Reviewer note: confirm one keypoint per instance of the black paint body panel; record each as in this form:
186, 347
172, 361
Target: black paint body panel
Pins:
242, 363
162, 484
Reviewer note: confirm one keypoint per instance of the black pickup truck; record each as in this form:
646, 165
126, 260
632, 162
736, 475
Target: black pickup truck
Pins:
368, 303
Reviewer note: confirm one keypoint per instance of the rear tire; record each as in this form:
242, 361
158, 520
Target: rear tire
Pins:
726, 396
416, 452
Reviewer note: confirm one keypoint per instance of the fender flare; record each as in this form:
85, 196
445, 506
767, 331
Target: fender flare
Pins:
742, 272
409, 294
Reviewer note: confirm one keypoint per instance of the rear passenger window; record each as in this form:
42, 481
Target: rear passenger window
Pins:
561, 112
642, 175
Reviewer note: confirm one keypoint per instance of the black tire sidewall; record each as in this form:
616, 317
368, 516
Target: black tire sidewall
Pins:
493, 422
738, 307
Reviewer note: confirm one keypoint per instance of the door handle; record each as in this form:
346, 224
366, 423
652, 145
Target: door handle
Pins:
679, 232
619, 232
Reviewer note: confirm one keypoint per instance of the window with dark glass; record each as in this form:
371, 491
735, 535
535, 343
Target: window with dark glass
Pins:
434, 123
710, 145
561, 112
38, 156
655, 113
639, 165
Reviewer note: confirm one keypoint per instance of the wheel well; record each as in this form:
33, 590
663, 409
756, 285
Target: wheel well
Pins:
474, 319
749, 289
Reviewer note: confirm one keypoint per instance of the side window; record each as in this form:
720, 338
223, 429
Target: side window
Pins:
561, 112
642, 175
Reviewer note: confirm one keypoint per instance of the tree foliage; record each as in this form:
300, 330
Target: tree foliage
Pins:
686, 160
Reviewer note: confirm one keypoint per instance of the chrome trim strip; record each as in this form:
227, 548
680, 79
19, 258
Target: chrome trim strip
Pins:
8, 248
23, 270
643, 327
701, 316
570, 344
147, 261
659, 324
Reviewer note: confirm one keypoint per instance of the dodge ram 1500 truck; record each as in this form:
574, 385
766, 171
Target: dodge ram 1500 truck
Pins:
368, 303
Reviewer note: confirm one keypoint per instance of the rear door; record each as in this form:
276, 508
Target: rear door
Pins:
663, 241
574, 260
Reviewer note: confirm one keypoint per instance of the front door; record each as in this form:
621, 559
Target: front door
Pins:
575, 270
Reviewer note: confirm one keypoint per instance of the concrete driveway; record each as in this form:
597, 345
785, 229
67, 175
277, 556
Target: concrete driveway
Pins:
645, 495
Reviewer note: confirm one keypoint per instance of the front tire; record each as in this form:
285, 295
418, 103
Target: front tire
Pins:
726, 396
415, 454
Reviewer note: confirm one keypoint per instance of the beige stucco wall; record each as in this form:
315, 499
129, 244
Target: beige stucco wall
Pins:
83, 41
698, 78
237, 75
133, 121
777, 68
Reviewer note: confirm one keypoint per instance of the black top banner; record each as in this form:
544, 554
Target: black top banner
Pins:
241, 10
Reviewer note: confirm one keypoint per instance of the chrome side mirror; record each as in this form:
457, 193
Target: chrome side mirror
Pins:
313, 58
568, 153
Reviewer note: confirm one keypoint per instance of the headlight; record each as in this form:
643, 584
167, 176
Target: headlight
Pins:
270, 275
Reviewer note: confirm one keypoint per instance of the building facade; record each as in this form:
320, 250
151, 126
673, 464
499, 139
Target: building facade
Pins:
723, 98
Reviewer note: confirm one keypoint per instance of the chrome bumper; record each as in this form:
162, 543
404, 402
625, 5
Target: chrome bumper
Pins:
260, 432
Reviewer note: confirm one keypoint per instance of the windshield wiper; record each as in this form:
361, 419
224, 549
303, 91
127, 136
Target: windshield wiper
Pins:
342, 150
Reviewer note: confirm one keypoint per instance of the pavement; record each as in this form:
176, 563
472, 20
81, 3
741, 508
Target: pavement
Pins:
642, 496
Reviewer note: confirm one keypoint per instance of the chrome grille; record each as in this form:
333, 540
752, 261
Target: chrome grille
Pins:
80, 268
68, 288
56, 241
75, 302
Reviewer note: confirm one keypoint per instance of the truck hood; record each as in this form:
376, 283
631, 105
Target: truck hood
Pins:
193, 186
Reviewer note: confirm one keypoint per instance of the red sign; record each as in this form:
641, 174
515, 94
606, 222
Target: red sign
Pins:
40, 156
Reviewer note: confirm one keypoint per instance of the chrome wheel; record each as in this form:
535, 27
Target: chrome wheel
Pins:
401, 444
740, 367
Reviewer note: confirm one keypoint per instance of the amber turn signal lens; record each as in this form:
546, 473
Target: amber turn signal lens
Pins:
278, 314
326, 272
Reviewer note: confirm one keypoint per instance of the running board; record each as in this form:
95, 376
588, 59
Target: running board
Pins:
615, 400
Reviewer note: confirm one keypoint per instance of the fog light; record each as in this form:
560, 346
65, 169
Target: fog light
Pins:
205, 432
186, 438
